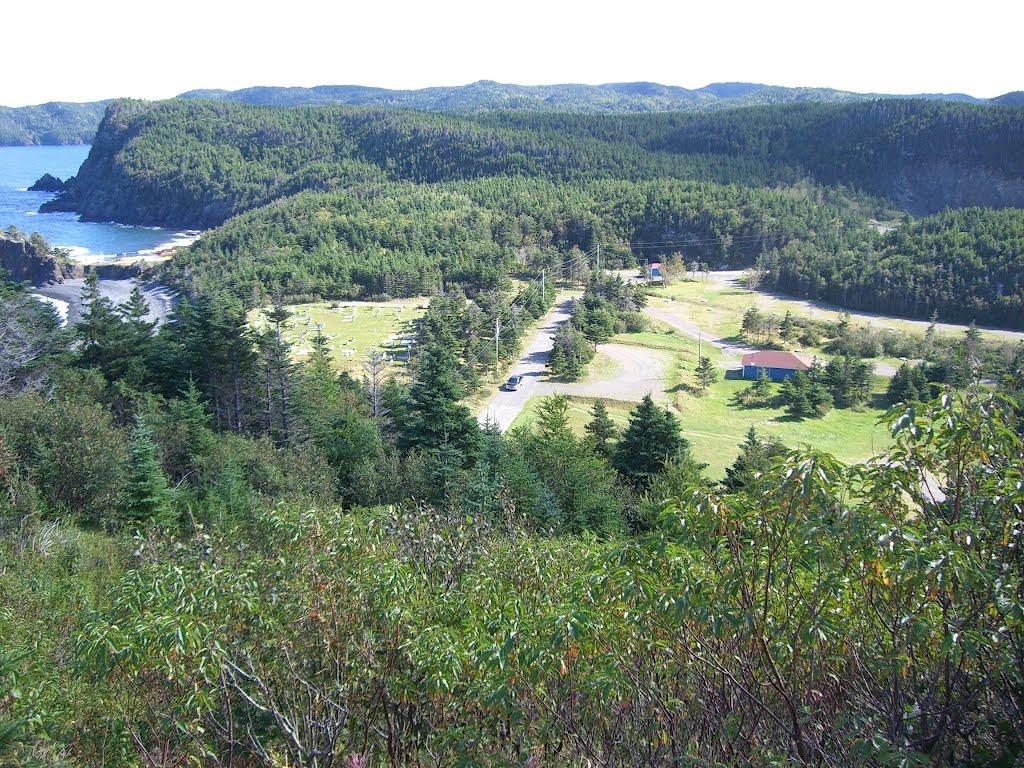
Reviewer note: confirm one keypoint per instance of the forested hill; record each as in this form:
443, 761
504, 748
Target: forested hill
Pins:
55, 123
352, 202
75, 123
195, 164
486, 95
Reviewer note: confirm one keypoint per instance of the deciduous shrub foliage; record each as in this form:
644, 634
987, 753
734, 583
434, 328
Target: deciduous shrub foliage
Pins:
822, 615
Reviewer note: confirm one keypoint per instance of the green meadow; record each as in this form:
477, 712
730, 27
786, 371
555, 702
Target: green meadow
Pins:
352, 328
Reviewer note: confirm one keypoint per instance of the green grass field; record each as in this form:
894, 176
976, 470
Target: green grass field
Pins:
715, 424
715, 427
719, 309
351, 327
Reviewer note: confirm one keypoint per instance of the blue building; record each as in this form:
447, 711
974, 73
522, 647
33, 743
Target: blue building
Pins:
778, 366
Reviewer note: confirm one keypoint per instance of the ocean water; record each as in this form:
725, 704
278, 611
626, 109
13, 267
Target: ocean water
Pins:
19, 169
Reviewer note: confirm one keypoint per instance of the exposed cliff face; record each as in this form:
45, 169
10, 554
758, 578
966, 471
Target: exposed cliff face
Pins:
927, 188
112, 185
25, 261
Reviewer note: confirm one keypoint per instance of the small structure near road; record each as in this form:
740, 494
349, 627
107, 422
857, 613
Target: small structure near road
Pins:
778, 366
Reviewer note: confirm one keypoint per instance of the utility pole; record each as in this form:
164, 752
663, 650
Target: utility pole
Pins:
598, 257
497, 335
543, 292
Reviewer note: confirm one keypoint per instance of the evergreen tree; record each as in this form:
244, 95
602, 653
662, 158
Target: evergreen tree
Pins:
581, 484
907, 385
651, 439
805, 395
105, 336
278, 375
187, 440
679, 476
438, 425
213, 343
761, 388
146, 497
789, 328
756, 456
706, 373
847, 379
602, 429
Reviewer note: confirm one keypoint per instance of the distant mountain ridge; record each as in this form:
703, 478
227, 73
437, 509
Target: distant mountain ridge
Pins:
75, 123
609, 98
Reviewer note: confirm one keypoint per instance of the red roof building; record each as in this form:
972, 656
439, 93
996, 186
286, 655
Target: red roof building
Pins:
778, 366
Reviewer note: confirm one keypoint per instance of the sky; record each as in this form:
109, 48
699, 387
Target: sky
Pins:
69, 50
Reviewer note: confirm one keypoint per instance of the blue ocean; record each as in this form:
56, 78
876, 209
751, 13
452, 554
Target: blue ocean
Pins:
19, 169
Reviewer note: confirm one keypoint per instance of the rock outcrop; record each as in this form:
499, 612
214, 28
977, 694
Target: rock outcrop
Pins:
27, 260
47, 183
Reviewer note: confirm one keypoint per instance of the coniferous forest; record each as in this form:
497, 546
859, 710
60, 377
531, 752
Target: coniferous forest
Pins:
342, 202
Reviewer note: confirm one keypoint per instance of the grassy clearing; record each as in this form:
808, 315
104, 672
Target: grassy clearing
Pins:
719, 309
715, 425
580, 412
352, 327
661, 337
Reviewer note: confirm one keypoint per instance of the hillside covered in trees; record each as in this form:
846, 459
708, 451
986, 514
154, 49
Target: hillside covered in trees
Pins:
55, 123
345, 202
965, 265
75, 123
197, 163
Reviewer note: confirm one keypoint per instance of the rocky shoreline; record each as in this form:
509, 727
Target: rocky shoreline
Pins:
26, 259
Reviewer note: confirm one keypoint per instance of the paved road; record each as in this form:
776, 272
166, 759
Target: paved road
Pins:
505, 406
637, 372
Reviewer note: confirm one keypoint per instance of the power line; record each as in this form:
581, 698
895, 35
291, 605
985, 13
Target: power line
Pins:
510, 310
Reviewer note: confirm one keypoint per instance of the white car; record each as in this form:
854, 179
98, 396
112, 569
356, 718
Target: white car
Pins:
513, 383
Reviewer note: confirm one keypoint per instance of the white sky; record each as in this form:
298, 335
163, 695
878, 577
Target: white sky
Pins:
71, 50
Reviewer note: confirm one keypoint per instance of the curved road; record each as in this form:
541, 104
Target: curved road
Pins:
692, 329
639, 371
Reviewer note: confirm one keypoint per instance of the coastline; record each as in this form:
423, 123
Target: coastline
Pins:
66, 297
158, 253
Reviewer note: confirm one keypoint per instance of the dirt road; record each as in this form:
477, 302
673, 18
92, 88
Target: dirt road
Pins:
692, 329
731, 279
669, 316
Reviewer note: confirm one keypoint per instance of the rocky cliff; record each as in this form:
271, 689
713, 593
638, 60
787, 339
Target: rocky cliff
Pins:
27, 259
47, 183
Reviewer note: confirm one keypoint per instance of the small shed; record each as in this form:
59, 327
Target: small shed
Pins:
654, 270
779, 366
